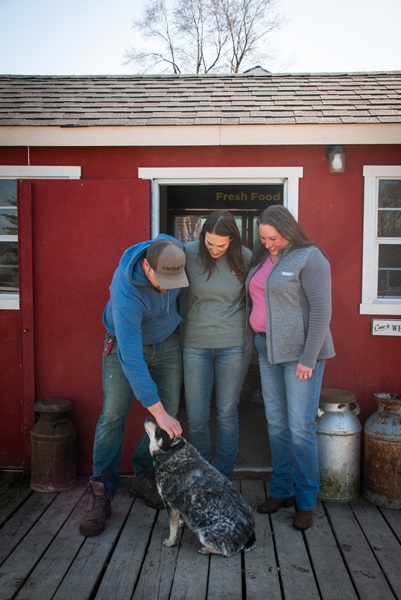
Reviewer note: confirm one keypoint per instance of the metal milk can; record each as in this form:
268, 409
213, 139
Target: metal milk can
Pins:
339, 445
382, 452
53, 462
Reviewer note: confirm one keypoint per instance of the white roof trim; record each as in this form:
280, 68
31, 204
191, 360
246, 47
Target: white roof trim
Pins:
199, 135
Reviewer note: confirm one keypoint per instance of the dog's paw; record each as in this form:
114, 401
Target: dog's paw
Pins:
168, 543
209, 550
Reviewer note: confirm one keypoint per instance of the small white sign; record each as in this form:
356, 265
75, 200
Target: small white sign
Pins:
386, 327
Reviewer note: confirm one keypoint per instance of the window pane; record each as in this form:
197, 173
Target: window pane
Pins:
389, 223
8, 266
8, 192
389, 280
390, 193
8, 207
256, 238
187, 228
8, 221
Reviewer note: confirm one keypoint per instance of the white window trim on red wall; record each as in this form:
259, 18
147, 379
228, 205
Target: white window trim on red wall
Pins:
370, 303
11, 301
161, 176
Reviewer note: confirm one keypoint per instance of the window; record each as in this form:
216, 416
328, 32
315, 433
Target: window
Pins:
9, 272
8, 237
381, 281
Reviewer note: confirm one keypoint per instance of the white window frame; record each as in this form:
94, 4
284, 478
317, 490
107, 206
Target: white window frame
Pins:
370, 303
160, 176
11, 300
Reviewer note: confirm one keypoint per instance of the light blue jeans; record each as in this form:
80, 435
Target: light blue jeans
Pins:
291, 408
225, 368
164, 362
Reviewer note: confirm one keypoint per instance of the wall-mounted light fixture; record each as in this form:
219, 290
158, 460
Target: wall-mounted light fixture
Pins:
336, 156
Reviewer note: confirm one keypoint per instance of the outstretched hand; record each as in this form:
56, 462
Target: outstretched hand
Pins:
165, 421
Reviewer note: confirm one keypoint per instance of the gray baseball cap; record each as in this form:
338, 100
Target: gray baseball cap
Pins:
167, 259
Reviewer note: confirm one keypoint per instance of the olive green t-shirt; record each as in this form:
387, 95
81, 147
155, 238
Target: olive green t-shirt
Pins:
214, 307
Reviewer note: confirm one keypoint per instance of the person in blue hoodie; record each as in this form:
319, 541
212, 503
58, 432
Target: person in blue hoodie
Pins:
142, 358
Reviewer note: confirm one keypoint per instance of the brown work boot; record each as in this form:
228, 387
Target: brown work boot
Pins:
303, 519
97, 511
272, 505
146, 488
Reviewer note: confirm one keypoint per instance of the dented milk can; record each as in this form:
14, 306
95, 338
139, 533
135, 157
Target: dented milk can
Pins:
382, 453
53, 462
339, 445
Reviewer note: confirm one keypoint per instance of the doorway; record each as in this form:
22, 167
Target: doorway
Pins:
183, 210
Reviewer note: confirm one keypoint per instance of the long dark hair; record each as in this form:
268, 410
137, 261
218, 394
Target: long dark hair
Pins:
282, 220
221, 222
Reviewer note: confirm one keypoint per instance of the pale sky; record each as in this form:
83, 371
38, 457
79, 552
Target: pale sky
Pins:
89, 37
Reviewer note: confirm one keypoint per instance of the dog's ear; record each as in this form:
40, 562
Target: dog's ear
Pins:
177, 443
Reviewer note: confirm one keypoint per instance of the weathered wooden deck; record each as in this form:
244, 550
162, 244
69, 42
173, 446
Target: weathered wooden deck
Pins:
352, 551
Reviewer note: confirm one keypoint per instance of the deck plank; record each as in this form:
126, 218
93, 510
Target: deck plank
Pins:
18, 526
15, 570
328, 565
296, 571
191, 574
125, 564
45, 578
382, 542
225, 577
365, 572
7, 479
393, 518
159, 566
13, 496
86, 570
260, 563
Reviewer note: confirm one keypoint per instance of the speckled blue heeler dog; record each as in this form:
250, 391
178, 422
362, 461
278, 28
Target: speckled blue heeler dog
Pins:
194, 491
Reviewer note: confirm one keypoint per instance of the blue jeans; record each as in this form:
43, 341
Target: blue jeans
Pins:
164, 362
226, 368
291, 408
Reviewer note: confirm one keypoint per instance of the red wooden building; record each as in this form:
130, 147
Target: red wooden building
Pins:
92, 165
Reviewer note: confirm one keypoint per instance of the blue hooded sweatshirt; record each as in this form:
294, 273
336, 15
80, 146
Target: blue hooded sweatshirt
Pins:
137, 314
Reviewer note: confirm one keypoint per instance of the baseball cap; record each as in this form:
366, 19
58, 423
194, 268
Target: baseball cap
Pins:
167, 259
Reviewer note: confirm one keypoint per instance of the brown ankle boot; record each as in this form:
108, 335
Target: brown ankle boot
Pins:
272, 505
303, 519
97, 511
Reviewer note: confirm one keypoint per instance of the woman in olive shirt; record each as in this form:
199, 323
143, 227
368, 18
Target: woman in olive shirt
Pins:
214, 336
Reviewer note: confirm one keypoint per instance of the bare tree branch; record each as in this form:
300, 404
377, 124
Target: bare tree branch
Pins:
155, 25
203, 36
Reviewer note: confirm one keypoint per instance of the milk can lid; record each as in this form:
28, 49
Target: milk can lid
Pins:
53, 405
335, 396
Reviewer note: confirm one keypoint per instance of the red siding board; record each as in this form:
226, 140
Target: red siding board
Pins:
27, 314
81, 228
11, 451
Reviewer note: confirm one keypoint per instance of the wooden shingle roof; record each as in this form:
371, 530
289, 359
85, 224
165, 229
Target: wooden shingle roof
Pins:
191, 100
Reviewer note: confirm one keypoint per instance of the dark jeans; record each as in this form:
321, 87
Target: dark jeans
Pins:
164, 362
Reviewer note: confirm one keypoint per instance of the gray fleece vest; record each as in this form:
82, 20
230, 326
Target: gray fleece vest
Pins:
298, 307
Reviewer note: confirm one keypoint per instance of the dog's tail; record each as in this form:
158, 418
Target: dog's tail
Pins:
251, 543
